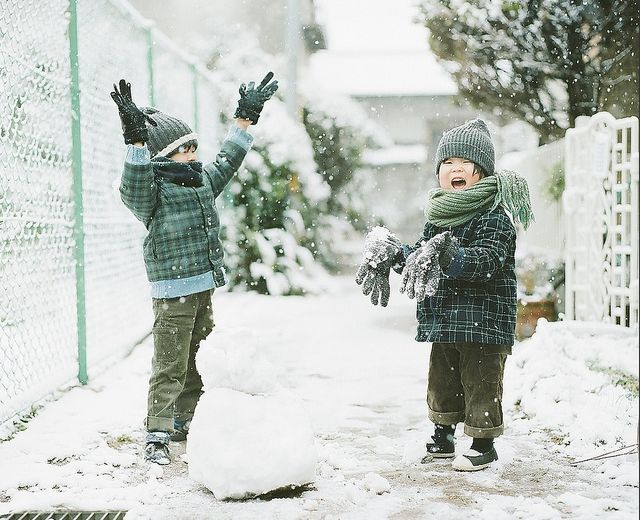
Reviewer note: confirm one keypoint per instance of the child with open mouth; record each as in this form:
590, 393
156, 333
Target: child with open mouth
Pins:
461, 273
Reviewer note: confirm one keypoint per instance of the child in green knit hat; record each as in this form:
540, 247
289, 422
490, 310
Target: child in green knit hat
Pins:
461, 273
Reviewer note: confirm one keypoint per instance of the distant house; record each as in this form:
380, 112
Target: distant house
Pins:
411, 96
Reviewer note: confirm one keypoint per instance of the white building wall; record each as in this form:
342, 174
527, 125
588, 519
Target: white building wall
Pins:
545, 235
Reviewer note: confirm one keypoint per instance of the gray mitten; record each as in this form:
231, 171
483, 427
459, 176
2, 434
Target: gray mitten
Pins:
424, 266
380, 250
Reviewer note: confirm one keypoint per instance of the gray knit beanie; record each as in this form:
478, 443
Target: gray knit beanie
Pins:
471, 141
169, 134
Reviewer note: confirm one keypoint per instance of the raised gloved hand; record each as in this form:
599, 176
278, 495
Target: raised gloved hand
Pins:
134, 128
252, 99
424, 266
380, 250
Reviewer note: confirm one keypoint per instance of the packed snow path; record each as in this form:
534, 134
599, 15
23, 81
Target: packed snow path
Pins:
362, 378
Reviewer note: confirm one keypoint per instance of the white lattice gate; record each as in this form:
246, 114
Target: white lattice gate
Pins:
601, 206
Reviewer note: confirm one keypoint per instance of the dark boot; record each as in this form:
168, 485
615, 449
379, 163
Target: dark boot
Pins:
443, 446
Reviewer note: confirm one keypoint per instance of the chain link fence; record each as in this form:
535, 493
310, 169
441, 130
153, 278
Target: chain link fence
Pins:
74, 292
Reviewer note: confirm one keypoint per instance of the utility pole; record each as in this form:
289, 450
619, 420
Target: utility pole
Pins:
293, 49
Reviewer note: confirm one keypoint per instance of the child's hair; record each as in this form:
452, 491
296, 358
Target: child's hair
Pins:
479, 170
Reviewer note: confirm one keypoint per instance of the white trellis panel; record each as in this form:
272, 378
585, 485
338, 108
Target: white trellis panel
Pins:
601, 205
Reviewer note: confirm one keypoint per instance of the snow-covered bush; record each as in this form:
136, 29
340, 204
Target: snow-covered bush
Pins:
295, 195
340, 131
269, 209
273, 203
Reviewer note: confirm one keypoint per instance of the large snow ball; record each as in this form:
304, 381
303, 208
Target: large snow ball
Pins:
231, 359
243, 445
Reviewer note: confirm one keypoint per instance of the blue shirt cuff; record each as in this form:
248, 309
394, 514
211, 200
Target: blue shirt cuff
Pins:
137, 155
240, 137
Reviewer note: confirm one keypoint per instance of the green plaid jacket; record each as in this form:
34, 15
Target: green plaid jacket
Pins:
476, 298
182, 222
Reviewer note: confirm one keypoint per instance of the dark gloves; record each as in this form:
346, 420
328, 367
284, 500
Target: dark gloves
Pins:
252, 99
424, 266
380, 250
448, 246
134, 128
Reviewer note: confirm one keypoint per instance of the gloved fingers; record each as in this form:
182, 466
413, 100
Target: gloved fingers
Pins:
369, 280
440, 241
242, 90
266, 94
447, 237
375, 292
385, 291
411, 282
432, 285
361, 272
393, 242
425, 259
411, 259
406, 273
251, 85
265, 80
117, 98
405, 279
271, 88
432, 280
125, 89
419, 288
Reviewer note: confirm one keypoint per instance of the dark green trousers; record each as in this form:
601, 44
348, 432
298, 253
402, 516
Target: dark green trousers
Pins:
465, 385
175, 385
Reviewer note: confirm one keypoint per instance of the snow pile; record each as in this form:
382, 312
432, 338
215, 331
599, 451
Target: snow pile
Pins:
249, 435
376, 484
581, 379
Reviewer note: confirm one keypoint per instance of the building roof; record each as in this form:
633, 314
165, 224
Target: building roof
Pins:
379, 73
377, 48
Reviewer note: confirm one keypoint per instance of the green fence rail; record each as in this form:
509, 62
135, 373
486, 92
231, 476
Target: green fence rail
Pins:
74, 294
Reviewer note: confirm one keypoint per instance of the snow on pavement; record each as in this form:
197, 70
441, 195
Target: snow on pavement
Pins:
361, 379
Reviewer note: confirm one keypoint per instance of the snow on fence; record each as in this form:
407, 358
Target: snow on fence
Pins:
601, 206
73, 285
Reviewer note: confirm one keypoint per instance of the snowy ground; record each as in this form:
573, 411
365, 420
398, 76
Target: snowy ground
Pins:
362, 380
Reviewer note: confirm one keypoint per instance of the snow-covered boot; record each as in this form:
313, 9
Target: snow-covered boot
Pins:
157, 448
180, 430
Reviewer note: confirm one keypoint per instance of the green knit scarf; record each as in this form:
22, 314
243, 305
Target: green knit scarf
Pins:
448, 208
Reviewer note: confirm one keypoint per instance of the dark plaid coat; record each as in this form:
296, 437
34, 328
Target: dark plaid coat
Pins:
476, 299
183, 222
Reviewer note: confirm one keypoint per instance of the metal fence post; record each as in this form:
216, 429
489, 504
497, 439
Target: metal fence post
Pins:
196, 107
76, 165
152, 95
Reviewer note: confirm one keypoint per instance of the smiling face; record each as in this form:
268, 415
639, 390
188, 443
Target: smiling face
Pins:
458, 174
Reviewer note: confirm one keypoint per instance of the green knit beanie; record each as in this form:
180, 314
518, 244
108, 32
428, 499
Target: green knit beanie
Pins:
470, 141
169, 133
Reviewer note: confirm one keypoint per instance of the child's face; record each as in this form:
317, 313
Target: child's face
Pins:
185, 154
457, 174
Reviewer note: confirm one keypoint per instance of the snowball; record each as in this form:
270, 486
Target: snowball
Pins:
231, 359
242, 445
